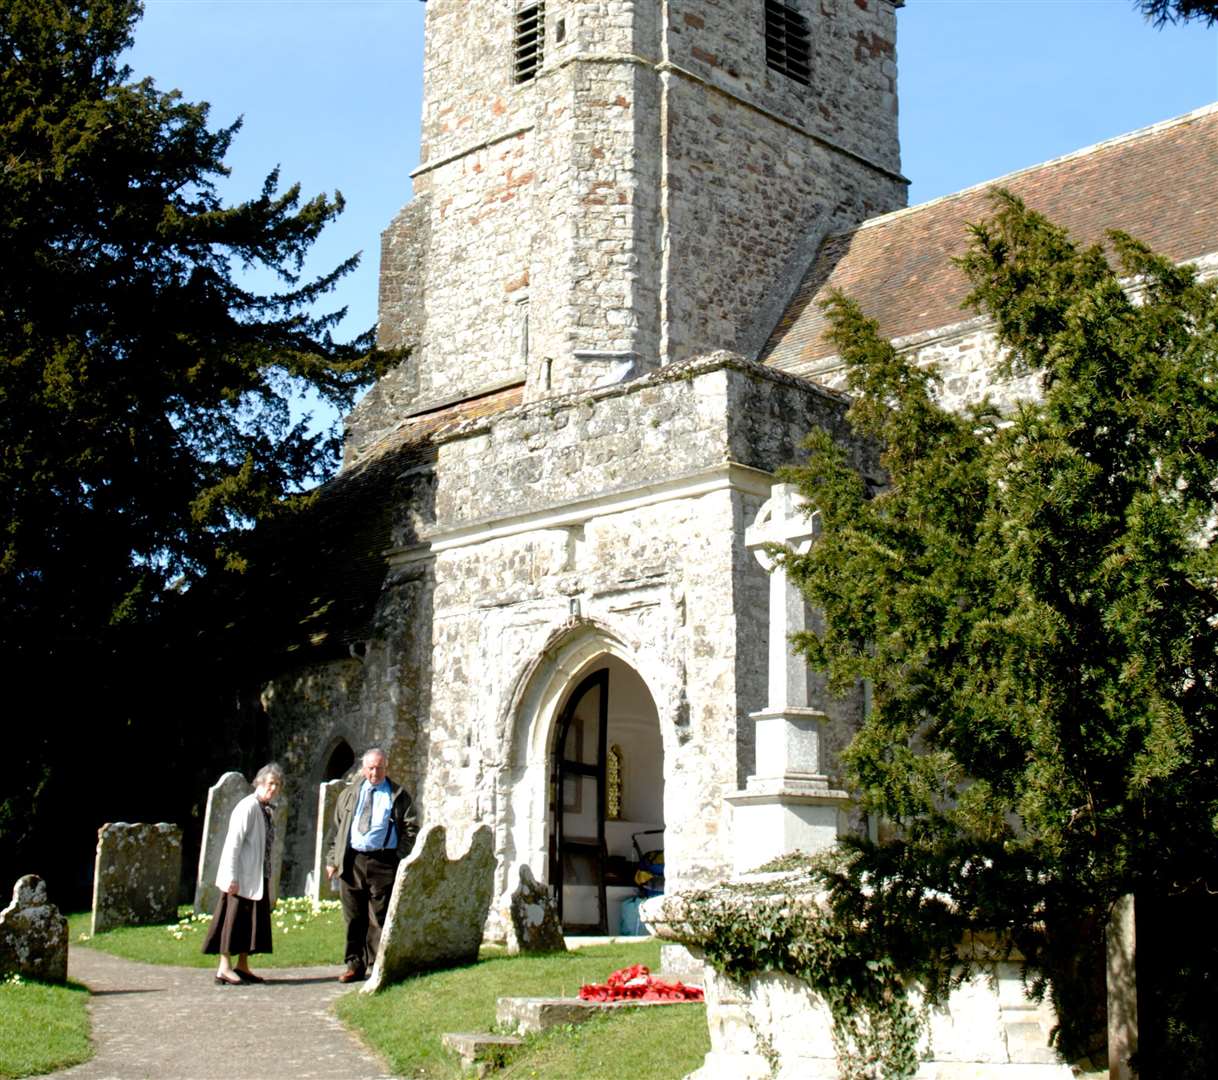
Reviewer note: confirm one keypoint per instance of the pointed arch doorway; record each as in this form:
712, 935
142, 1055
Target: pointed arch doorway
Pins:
606, 787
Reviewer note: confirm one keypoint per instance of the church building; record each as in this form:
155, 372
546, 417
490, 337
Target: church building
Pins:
540, 578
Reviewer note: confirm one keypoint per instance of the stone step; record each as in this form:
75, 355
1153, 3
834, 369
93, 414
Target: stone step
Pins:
528, 1016
480, 1051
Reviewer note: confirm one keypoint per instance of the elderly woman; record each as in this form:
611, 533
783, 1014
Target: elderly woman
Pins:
242, 921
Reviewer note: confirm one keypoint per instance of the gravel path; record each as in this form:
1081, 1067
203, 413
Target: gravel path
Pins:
170, 1022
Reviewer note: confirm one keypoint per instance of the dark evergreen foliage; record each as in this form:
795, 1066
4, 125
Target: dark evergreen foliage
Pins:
144, 421
1161, 12
1034, 600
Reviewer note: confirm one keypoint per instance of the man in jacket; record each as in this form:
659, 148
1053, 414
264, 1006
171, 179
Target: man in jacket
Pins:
374, 829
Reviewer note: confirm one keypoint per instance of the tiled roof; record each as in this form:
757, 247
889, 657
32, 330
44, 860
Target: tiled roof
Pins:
1159, 184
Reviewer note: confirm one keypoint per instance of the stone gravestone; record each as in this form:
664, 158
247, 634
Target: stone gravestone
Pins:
327, 796
279, 814
535, 927
33, 935
137, 875
437, 909
222, 796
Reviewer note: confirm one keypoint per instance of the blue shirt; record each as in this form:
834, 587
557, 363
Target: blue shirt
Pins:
380, 834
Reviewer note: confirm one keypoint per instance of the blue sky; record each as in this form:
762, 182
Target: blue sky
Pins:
330, 91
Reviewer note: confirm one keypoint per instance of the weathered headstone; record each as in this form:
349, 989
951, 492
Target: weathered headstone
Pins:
437, 910
535, 927
222, 796
33, 934
136, 876
319, 887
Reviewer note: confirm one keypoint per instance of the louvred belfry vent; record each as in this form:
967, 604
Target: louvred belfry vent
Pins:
530, 40
788, 41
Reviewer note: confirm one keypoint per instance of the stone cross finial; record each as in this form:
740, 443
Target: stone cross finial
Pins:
787, 804
783, 519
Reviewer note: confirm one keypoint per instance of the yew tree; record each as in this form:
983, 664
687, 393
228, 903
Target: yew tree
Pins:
1161, 12
1033, 597
144, 384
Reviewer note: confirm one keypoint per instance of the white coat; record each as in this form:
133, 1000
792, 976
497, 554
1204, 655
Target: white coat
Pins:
241, 858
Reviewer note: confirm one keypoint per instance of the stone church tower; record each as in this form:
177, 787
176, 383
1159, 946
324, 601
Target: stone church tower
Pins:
540, 578
610, 186
535, 579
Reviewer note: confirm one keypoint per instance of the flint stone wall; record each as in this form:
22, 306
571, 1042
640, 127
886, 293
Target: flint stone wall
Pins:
222, 796
376, 700
437, 909
666, 577
136, 875
33, 934
615, 517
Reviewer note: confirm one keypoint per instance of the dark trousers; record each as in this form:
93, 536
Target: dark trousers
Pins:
364, 894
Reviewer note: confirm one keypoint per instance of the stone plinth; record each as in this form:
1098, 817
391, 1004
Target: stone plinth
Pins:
136, 876
784, 820
33, 934
222, 796
437, 910
534, 926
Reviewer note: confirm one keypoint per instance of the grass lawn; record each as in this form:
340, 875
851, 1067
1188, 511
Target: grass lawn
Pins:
404, 1023
42, 1027
300, 938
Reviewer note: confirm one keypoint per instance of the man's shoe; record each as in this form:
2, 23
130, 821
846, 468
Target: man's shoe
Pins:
352, 974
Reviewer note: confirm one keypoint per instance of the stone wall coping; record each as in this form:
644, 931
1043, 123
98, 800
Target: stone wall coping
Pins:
678, 371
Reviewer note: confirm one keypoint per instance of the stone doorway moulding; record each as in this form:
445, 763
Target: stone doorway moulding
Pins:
637, 725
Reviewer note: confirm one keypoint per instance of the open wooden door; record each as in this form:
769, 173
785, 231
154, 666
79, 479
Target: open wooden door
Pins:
577, 839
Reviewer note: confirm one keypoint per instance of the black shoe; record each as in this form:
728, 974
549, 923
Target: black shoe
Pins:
248, 976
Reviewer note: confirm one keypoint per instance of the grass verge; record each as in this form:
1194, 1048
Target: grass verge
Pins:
42, 1027
300, 937
405, 1022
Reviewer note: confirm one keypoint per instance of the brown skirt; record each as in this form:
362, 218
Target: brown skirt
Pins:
240, 925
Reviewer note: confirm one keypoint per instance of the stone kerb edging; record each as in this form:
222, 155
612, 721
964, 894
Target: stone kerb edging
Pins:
988, 1030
